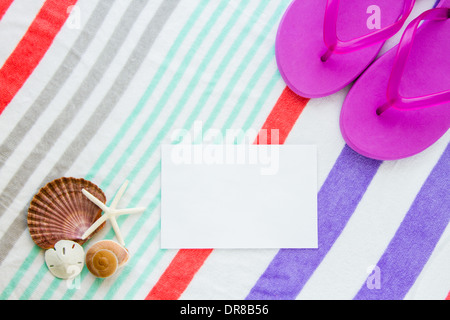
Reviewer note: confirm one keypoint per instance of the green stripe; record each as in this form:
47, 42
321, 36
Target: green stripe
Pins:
154, 261
162, 133
262, 67
264, 96
188, 26
152, 177
56, 282
146, 96
163, 101
181, 103
251, 84
241, 69
249, 121
192, 84
244, 96
148, 270
89, 295
43, 270
35, 251
156, 22
222, 68
132, 266
139, 252
142, 191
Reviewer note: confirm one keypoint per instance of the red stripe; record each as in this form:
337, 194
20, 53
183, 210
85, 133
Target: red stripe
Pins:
186, 263
4, 5
178, 274
32, 48
283, 115
448, 297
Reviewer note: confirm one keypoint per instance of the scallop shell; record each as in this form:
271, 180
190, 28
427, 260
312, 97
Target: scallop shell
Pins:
60, 211
105, 257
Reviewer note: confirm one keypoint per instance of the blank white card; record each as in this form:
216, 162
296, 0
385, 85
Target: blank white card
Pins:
238, 196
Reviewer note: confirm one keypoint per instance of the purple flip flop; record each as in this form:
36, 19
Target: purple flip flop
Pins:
323, 45
401, 104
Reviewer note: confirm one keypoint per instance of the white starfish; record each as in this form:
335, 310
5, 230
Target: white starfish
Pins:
110, 213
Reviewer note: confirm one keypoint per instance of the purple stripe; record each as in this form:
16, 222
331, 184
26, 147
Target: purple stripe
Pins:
337, 200
417, 236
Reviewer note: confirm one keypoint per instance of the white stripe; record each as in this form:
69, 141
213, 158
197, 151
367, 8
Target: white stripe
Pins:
221, 278
15, 24
235, 281
45, 69
252, 264
59, 102
42, 74
230, 105
319, 125
373, 224
152, 133
434, 280
135, 91
154, 276
42, 124
228, 274
235, 278
14, 260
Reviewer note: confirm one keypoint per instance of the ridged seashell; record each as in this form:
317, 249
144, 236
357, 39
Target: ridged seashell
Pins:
60, 211
105, 257
66, 260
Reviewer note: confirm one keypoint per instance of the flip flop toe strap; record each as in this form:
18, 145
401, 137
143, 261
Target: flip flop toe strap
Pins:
335, 45
394, 98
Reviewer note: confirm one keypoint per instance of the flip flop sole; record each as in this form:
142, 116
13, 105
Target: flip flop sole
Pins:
398, 134
300, 44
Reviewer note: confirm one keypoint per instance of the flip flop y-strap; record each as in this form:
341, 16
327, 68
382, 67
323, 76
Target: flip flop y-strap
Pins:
394, 98
335, 45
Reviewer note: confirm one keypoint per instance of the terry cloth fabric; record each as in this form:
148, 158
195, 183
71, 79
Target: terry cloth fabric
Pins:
91, 89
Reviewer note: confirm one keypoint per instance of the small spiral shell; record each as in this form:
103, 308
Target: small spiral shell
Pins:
105, 257
104, 263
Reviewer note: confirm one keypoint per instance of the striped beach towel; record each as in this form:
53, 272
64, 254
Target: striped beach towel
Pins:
91, 88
